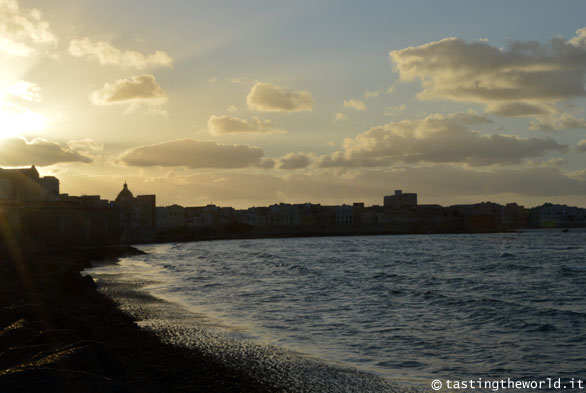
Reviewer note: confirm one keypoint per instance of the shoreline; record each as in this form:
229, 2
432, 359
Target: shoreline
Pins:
194, 236
280, 369
58, 333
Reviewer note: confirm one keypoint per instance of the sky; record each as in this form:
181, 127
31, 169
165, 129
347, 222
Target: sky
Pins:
250, 103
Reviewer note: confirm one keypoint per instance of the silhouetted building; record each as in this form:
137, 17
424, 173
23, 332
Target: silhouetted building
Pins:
550, 215
137, 216
56, 224
400, 200
171, 217
26, 185
343, 215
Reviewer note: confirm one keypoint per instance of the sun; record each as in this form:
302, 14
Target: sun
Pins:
16, 120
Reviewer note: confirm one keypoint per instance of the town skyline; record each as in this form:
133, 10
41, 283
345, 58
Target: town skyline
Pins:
35, 211
323, 102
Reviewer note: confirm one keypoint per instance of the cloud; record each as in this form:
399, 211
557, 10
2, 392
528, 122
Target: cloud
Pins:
87, 147
135, 91
233, 125
340, 117
193, 154
581, 146
24, 90
355, 104
520, 80
21, 30
266, 163
437, 139
394, 110
265, 97
371, 93
516, 109
295, 161
557, 123
41, 152
107, 54
444, 184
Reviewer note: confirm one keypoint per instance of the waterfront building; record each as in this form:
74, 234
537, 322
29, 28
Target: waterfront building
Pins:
25, 184
171, 217
400, 200
137, 216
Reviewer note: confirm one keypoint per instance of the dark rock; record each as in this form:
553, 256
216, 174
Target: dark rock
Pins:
81, 327
16, 334
88, 282
14, 356
81, 358
30, 312
110, 363
70, 282
47, 380
55, 336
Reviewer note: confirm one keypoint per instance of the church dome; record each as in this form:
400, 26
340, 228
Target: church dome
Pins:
125, 194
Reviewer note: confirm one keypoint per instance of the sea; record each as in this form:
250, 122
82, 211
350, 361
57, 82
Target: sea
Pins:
370, 313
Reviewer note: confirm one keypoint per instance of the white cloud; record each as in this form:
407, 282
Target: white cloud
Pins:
87, 147
265, 97
581, 146
355, 104
106, 54
340, 117
24, 90
21, 30
233, 125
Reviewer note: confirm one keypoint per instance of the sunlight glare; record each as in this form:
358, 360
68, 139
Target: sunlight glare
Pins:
16, 120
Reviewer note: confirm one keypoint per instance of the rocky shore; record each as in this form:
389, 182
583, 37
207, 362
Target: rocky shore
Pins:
59, 334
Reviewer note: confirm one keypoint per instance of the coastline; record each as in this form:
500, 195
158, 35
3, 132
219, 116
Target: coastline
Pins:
280, 369
58, 333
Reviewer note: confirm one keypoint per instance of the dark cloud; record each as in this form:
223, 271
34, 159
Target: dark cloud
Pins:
445, 184
294, 161
515, 109
234, 125
41, 152
437, 139
193, 154
557, 123
524, 79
